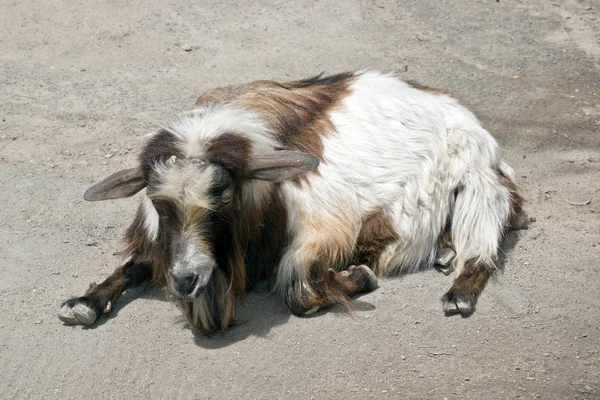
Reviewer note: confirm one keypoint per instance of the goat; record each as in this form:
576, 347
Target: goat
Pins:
320, 185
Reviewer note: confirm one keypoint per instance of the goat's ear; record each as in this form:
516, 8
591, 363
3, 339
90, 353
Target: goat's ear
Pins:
124, 183
280, 165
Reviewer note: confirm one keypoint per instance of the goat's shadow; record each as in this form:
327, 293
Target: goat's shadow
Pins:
257, 315
508, 244
261, 312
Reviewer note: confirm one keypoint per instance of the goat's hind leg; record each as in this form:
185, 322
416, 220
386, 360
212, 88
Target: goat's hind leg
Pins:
98, 299
329, 287
477, 235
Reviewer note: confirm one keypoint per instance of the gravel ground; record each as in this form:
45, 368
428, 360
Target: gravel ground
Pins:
82, 83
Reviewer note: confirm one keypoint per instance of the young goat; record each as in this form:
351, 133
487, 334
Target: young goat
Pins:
319, 184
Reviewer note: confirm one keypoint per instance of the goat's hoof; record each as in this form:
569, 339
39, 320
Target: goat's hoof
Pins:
311, 311
446, 270
80, 310
371, 283
444, 259
457, 302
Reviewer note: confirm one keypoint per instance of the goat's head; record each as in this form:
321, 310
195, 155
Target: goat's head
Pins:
192, 203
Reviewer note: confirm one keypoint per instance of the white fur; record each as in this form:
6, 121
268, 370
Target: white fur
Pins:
185, 181
151, 218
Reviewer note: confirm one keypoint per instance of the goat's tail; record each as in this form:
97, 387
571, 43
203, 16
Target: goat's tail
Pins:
487, 204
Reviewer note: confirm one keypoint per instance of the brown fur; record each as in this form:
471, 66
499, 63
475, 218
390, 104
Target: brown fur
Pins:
230, 149
471, 280
111, 288
263, 231
160, 147
236, 270
375, 234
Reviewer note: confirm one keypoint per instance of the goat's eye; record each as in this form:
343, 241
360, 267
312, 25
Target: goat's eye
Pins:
227, 196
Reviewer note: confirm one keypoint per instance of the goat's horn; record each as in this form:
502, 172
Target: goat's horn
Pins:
171, 161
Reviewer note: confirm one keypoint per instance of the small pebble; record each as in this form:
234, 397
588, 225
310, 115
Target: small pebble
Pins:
403, 357
532, 219
187, 47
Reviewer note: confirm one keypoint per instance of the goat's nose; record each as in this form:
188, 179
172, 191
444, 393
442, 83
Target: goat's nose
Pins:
185, 284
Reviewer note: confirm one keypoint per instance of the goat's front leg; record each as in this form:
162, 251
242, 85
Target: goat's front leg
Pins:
324, 288
98, 299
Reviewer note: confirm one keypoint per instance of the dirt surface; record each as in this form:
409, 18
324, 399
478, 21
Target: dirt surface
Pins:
80, 86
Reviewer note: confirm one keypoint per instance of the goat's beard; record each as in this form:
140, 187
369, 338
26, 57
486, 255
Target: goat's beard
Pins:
214, 309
